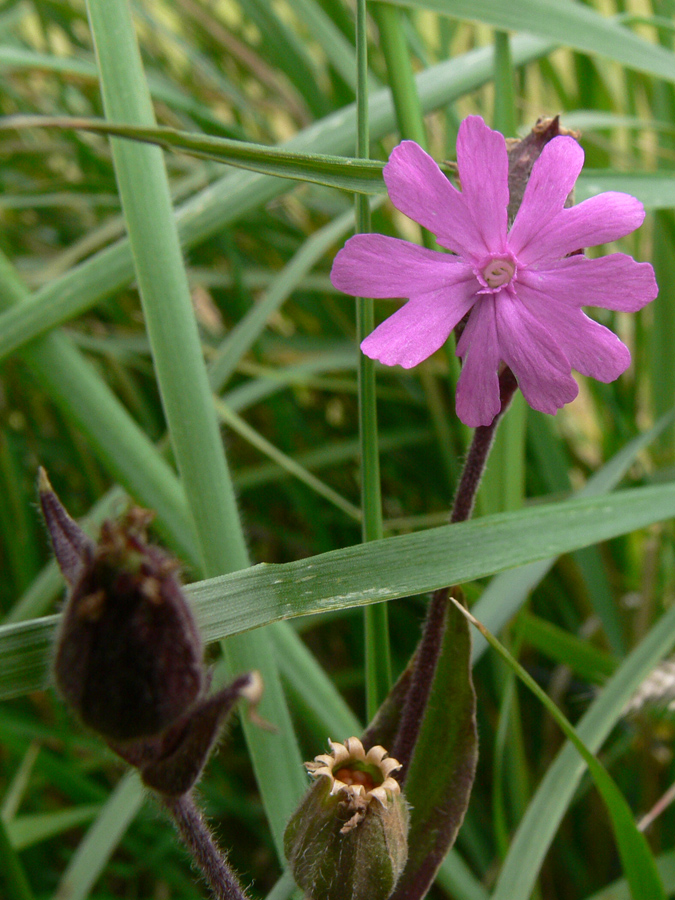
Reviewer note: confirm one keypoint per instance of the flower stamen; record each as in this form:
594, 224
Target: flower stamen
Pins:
498, 272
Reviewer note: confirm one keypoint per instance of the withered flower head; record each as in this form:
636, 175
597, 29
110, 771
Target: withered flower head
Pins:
348, 839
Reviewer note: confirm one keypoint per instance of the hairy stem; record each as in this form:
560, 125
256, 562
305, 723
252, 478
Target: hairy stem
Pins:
428, 651
206, 854
479, 450
426, 659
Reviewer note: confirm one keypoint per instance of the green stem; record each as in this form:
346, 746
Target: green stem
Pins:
376, 621
503, 487
184, 387
400, 73
504, 118
411, 124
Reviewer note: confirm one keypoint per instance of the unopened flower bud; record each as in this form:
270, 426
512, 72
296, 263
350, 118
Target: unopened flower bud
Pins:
128, 655
348, 839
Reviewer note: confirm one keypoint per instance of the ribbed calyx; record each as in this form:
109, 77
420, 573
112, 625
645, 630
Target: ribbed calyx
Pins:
348, 839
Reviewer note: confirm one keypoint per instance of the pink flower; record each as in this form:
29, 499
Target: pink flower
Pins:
522, 291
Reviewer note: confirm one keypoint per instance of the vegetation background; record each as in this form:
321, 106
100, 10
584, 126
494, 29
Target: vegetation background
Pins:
79, 394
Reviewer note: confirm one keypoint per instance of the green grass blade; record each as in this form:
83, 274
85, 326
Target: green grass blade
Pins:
236, 194
253, 437
245, 333
572, 24
12, 875
656, 190
555, 792
619, 890
585, 660
361, 175
369, 573
28, 830
185, 389
102, 839
638, 862
505, 594
72, 383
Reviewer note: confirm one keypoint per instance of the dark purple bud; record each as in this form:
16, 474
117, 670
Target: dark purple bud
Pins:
128, 655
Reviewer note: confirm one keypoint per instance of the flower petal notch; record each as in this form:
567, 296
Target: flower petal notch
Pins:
487, 284
348, 839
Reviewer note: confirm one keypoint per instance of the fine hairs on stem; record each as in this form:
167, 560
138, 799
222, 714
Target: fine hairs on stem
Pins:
421, 682
478, 453
432, 636
203, 848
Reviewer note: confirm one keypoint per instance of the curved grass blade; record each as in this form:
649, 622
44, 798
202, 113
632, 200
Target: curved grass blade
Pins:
619, 889
655, 190
638, 862
571, 24
237, 193
504, 596
556, 790
395, 567
100, 842
363, 176
28, 830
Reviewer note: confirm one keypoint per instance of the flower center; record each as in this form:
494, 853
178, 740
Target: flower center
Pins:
498, 272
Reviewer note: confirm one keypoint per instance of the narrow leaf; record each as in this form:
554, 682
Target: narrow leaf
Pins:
359, 175
394, 567
443, 764
572, 24
638, 862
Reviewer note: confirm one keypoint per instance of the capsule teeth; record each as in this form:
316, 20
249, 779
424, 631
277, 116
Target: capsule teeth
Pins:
339, 825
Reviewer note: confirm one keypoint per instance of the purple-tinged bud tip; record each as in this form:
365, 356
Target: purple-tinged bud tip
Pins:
72, 547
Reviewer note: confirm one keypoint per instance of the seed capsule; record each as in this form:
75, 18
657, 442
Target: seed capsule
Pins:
348, 839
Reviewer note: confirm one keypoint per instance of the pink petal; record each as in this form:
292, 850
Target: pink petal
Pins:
477, 399
612, 282
601, 219
419, 328
553, 177
533, 354
484, 175
374, 265
591, 348
419, 189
